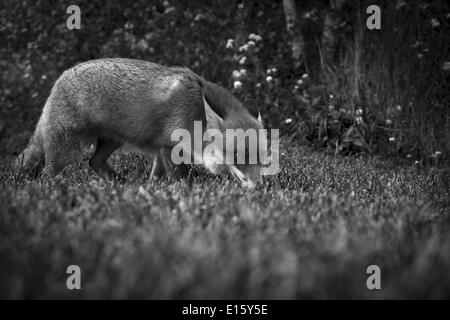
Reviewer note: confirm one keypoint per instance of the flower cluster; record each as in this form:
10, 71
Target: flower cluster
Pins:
253, 39
301, 83
242, 54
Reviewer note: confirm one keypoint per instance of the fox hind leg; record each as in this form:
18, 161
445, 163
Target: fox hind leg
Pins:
60, 149
32, 160
98, 162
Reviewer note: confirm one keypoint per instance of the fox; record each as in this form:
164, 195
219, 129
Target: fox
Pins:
117, 101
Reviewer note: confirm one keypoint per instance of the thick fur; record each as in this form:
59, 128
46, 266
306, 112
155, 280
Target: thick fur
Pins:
117, 101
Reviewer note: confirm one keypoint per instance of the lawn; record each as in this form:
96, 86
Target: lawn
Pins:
309, 232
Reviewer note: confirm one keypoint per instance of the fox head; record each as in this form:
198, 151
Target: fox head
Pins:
235, 130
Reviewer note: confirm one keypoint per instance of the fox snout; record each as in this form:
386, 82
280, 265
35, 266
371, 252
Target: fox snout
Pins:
249, 175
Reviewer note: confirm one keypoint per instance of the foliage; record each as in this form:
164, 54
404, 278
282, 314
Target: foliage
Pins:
386, 92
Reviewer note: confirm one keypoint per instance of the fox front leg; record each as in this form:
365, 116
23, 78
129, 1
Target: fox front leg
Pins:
158, 170
163, 166
98, 162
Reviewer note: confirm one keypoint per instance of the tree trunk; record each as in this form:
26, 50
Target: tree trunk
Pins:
359, 37
294, 28
330, 34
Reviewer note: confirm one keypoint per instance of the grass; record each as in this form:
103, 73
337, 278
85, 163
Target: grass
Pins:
310, 232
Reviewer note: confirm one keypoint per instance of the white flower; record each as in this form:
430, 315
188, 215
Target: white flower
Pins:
438, 153
230, 43
237, 85
420, 55
398, 107
359, 112
269, 71
416, 162
435, 23
288, 120
243, 60
199, 16
400, 4
359, 120
258, 85
388, 122
409, 156
243, 48
296, 87
331, 107
251, 43
300, 82
274, 70
255, 37
417, 44
269, 79
243, 72
236, 74
305, 75
446, 66
391, 139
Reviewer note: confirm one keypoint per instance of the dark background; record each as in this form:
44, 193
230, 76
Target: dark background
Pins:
395, 76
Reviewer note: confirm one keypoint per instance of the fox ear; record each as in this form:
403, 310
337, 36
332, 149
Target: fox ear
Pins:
259, 118
252, 108
213, 120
